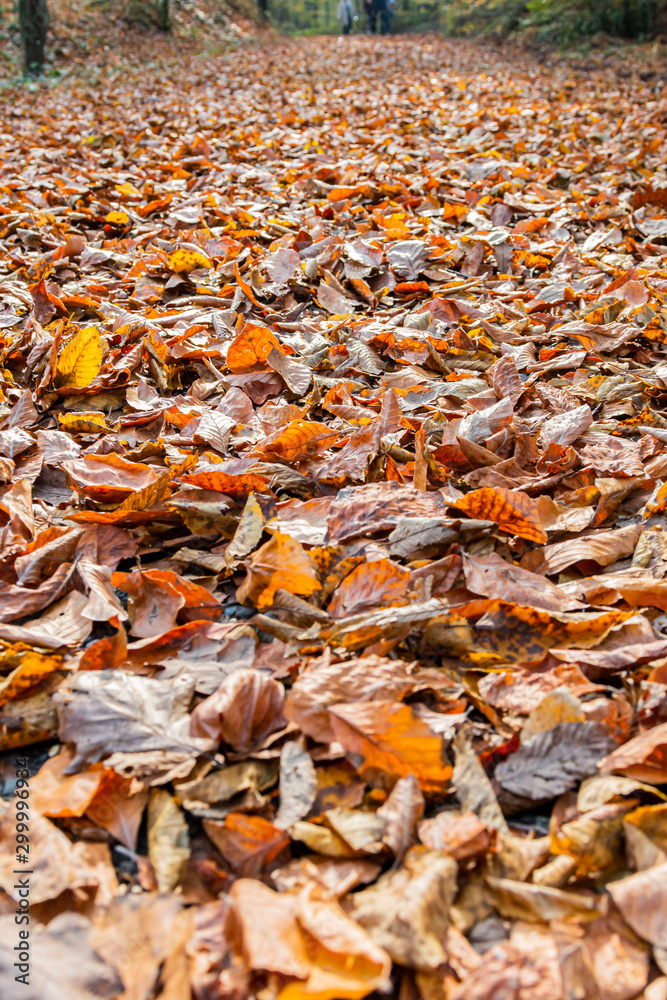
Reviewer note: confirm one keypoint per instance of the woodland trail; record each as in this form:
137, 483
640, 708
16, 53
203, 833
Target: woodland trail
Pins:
333, 472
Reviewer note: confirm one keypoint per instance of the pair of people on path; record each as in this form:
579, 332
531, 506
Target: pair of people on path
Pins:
374, 9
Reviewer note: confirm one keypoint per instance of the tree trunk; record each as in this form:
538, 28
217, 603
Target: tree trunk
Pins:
34, 23
660, 14
163, 8
263, 9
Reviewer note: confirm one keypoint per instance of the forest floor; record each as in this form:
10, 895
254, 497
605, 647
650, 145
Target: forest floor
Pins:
333, 572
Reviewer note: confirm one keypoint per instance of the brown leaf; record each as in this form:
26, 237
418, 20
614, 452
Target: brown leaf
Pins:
63, 963
406, 911
280, 564
492, 576
168, 839
246, 708
553, 761
248, 843
460, 835
322, 684
112, 710
643, 758
642, 898
401, 813
298, 785
380, 582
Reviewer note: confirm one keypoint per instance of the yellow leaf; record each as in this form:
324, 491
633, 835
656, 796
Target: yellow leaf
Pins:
183, 261
128, 190
83, 423
117, 218
81, 358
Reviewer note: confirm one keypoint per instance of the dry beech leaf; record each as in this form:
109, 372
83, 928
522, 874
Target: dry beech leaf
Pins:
298, 785
461, 835
81, 359
323, 683
57, 863
406, 911
245, 709
249, 844
333, 449
642, 899
513, 512
221, 482
182, 261
252, 347
168, 839
491, 575
643, 758
527, 966
391, 741
111, 710
381, 582
280, 564
64, 963
401, 814
553, 761
108, 478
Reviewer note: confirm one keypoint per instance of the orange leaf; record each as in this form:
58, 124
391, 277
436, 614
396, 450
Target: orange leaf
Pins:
301, 439
392, 742
513, 511
33, 668
234, 486
280, 564
371, 585
252, 347
247, 843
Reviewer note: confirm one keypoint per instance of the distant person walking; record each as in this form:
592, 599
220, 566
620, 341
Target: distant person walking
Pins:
374, 8
346, 13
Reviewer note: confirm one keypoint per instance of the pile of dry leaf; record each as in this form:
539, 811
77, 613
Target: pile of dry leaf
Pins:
333, 570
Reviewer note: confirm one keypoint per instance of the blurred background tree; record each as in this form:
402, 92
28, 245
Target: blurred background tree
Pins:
33, 25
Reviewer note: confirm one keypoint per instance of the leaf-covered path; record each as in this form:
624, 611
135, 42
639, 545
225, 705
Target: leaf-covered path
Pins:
333, 452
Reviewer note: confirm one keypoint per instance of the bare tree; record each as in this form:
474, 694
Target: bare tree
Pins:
34, 24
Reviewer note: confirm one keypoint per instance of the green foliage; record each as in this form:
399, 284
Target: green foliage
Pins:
473, 17
148, 13
570, 19
561, 21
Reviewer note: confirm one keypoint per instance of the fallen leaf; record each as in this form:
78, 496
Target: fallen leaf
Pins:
81, 358
391, 742
245, 709
513, 512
